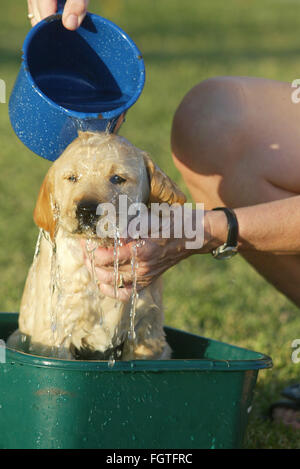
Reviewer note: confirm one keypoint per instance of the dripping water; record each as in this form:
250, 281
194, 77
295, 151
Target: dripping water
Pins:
134, 267
117, 245
56, 295
91, 246
134, 295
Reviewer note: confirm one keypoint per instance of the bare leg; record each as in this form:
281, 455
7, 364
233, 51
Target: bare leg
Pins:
236, 142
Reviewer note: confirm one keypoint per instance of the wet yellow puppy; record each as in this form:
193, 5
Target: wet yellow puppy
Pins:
62, 311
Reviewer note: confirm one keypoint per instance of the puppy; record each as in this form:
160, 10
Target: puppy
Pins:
62, 312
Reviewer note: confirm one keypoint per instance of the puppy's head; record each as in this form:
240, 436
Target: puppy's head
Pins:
94, 169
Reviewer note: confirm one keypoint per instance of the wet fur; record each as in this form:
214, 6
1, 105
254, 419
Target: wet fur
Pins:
76, 321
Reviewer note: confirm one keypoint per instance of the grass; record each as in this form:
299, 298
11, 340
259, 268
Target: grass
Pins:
182, 44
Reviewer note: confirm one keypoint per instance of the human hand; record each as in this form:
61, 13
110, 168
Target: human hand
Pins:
73, 14
153, 257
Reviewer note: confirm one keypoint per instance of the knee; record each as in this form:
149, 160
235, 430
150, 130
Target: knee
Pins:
208, 124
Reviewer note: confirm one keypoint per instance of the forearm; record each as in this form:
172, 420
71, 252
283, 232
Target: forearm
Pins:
269, 227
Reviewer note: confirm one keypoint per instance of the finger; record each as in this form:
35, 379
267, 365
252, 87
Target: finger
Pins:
29, 6
33, 10
125, 278
109, 277
74, 13
106, 256
124, 294
46, 8
33, 22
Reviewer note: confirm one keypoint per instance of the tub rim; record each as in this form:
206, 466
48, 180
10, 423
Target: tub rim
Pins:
259, 360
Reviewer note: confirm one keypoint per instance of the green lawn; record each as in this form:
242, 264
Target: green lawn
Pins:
182, 42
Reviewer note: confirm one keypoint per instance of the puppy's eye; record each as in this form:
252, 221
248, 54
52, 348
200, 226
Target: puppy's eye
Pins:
117, 179
72, 178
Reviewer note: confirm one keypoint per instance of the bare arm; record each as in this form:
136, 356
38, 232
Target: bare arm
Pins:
269, 227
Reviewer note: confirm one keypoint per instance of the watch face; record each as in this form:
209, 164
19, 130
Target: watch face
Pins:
225, 252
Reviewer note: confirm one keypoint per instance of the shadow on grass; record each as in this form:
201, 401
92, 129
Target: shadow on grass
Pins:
262, 432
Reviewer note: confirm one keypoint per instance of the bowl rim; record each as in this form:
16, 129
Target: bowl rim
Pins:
106, 115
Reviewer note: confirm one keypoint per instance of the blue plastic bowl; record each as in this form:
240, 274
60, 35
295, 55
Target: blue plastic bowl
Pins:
73, 80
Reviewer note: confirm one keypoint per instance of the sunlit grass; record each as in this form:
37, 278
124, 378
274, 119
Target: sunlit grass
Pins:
182, 44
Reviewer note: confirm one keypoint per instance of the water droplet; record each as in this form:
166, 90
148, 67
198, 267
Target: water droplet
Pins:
111, 362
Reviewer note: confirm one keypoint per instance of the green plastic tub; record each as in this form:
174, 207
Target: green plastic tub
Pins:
199, 399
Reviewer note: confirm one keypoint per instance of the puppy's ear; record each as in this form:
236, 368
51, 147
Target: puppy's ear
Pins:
44, 214
162, 188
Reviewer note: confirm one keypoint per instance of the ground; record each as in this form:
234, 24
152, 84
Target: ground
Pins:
182, 44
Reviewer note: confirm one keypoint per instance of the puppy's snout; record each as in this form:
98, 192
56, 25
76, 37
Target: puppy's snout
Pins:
86, 213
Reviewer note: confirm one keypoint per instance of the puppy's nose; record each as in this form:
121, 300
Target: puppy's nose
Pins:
86, 213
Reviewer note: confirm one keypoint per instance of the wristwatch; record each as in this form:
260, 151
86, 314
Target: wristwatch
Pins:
228, 249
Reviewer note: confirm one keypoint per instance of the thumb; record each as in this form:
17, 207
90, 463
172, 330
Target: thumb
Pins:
74, 13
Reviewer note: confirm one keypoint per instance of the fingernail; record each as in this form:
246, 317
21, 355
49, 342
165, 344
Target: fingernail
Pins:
71, 22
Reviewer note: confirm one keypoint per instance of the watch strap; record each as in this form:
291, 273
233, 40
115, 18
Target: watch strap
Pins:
233, 227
